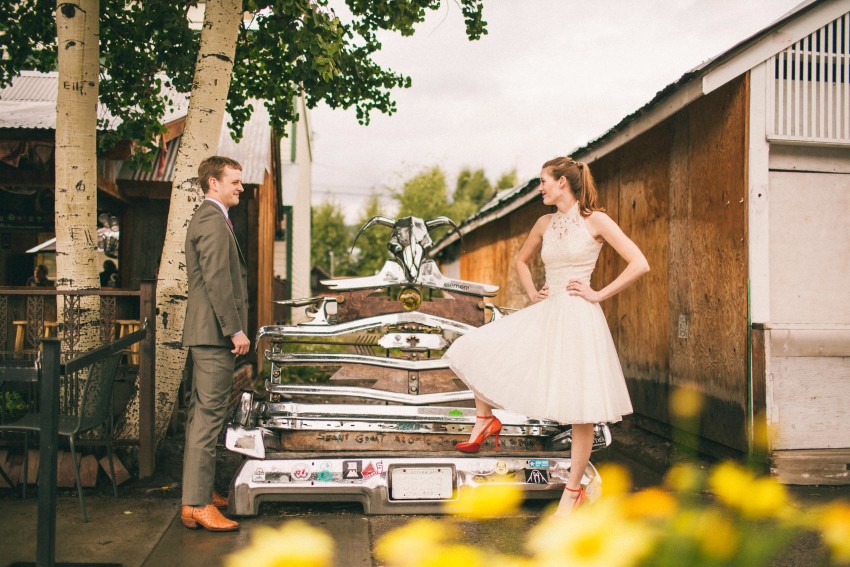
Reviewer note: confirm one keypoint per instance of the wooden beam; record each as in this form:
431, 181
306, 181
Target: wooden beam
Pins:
108, 187
174, 129
145, 189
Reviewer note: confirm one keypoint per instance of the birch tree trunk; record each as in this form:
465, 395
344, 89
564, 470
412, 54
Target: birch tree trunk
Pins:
76, 169
213, 71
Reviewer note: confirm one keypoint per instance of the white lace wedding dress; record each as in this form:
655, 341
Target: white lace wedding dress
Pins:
555, 359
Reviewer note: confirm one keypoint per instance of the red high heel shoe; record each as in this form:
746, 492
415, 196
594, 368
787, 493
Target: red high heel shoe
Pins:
581, 495
491, 427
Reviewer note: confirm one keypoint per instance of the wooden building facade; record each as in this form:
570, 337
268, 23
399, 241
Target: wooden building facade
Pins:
735, 182
140, 199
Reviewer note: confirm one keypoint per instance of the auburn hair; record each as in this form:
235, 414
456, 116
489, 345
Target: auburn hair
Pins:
581, 182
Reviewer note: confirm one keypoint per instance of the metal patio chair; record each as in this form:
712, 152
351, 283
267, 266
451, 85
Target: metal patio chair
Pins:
95, 410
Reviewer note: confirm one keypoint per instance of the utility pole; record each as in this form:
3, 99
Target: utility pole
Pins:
331, 254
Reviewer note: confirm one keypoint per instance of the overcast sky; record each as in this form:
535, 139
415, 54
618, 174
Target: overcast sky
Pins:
549, 76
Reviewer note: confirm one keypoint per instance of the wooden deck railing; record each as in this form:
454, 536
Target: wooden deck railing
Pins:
28, 314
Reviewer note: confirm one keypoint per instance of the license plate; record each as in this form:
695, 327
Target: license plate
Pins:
421, 483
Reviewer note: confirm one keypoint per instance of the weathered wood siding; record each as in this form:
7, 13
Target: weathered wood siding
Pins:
488, 254
679, 191
267, 221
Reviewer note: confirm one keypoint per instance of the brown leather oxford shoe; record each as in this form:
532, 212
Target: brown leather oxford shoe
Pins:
207, 517
219, 501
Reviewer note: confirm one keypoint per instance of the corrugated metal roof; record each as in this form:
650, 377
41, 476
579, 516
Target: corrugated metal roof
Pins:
37, 92
253, 151
29, 115
31, 86
30, 103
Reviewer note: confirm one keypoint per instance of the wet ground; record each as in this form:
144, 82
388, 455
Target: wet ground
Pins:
142, 528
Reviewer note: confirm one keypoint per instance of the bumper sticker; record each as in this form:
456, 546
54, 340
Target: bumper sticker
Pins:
352, 470
301, 471
536, 476
373, 469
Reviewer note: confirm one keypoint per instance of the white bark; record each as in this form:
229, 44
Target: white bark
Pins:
204, 121
76, 162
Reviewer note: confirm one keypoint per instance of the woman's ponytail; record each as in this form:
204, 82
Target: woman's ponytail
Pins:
581, 182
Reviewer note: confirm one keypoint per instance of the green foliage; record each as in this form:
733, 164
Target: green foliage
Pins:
330, 234
306, 375
472, 190
372, 244
473, 186
148, 56
508, 180
291, 47
14, 405
424, 195
27, 37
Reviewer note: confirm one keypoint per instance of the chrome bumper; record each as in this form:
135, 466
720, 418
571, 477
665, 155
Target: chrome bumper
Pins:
395, 485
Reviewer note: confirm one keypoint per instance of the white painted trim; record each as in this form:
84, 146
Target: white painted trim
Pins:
783, 37
770, 409
815, 142
305, 117
758, 175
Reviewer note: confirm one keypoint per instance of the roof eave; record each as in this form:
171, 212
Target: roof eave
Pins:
698, 82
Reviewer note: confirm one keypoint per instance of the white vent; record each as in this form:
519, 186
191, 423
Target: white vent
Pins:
809, 89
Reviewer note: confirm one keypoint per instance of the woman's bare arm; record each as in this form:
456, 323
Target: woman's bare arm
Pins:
602, 226
530, 248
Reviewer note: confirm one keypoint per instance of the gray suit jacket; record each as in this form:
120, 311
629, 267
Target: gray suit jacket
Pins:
218, 280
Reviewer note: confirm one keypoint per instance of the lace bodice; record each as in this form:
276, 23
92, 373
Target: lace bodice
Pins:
569, 251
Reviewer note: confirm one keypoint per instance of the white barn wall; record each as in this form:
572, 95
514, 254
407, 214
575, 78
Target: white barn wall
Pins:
808, 362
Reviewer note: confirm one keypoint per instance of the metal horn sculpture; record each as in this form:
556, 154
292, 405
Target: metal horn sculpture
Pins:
410, 241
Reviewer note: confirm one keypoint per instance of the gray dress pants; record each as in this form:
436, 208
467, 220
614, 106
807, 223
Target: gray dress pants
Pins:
212, 380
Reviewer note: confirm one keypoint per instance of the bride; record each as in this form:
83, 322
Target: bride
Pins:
555, 359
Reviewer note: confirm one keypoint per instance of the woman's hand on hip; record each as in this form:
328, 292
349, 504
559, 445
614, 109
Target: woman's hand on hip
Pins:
583, 290
542, 294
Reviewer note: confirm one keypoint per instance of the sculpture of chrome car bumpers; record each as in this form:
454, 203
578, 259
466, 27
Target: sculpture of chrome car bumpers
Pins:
382, 432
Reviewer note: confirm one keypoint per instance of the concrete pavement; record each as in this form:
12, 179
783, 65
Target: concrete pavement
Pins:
141, 527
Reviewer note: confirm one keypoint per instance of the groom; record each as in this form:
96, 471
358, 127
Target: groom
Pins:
214, 331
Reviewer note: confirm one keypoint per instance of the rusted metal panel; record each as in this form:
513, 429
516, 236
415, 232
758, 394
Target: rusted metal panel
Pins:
359, 304
359, 441
398, 380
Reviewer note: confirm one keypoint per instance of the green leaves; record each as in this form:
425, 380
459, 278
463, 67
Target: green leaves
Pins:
331, 239
27, 37
291, 47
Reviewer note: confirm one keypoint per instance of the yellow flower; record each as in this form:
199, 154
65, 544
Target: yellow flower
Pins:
716, 535
834, 526
294, 544
650, 503
592, 536
408, 544
683, 477
486, 501
616, 480
731, 483
766, 498
685, 403
762, 433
